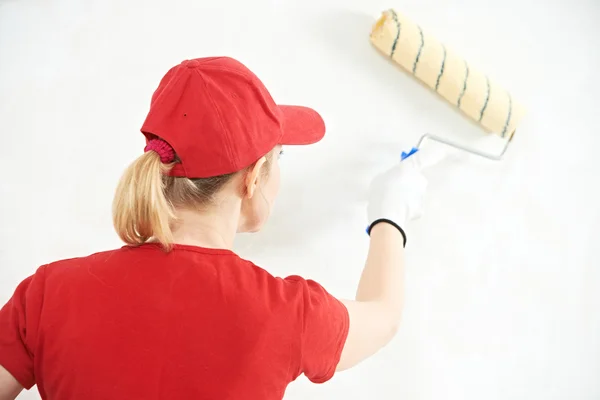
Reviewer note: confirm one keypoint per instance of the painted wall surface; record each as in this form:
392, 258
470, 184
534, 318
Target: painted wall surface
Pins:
502, 298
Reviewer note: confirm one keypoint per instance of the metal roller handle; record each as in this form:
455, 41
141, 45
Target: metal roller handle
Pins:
490, 156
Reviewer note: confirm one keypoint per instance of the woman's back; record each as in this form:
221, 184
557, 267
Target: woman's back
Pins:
141, 323
170, 317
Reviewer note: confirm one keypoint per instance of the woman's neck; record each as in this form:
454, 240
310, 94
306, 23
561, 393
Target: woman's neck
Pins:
215, 229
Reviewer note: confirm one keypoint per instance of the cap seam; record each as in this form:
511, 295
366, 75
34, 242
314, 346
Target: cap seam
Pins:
178, 77
249, 80
227, 145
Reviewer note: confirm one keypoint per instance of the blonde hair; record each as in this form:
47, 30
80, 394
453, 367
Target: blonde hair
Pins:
147, 197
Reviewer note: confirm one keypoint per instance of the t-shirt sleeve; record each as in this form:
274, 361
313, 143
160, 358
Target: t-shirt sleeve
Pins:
18, 330
322, 327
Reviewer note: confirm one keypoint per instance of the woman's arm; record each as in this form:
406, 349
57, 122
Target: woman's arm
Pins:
396, 197
9, 387
375, 314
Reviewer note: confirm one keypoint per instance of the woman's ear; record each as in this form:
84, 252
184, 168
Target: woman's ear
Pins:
253, 176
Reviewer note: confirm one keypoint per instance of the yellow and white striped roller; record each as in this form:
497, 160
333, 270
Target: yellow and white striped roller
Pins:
448, 74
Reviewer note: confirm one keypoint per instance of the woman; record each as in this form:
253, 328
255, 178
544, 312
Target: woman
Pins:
175, 314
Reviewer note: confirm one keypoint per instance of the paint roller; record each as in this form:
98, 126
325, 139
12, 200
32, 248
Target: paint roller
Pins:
453, 78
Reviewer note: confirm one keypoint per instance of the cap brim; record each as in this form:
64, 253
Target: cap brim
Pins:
301, 125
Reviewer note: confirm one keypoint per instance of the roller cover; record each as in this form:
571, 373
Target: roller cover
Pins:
446, 73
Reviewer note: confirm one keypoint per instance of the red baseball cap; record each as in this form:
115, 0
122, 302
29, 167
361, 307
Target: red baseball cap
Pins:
219, 118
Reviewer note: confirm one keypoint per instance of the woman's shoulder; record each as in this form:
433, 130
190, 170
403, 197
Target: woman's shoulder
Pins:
72, 264
286, 288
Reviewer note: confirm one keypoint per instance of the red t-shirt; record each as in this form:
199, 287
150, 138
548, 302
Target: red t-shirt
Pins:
194, 323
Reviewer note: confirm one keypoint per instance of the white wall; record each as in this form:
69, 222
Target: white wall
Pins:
502, 280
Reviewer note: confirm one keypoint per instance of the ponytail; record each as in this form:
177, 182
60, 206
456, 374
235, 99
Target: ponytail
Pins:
147, 197
141, 210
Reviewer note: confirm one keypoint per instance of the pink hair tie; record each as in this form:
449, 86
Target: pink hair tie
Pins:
162, 148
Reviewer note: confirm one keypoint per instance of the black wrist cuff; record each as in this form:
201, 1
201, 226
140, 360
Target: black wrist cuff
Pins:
387, 221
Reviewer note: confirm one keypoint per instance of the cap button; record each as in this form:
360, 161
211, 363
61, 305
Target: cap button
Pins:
191, 63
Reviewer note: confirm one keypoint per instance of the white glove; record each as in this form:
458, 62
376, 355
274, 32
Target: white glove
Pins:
396, 195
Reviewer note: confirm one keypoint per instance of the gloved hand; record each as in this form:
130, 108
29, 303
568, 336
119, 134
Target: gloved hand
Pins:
396, 196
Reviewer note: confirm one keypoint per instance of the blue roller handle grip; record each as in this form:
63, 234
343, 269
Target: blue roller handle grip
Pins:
405, 155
